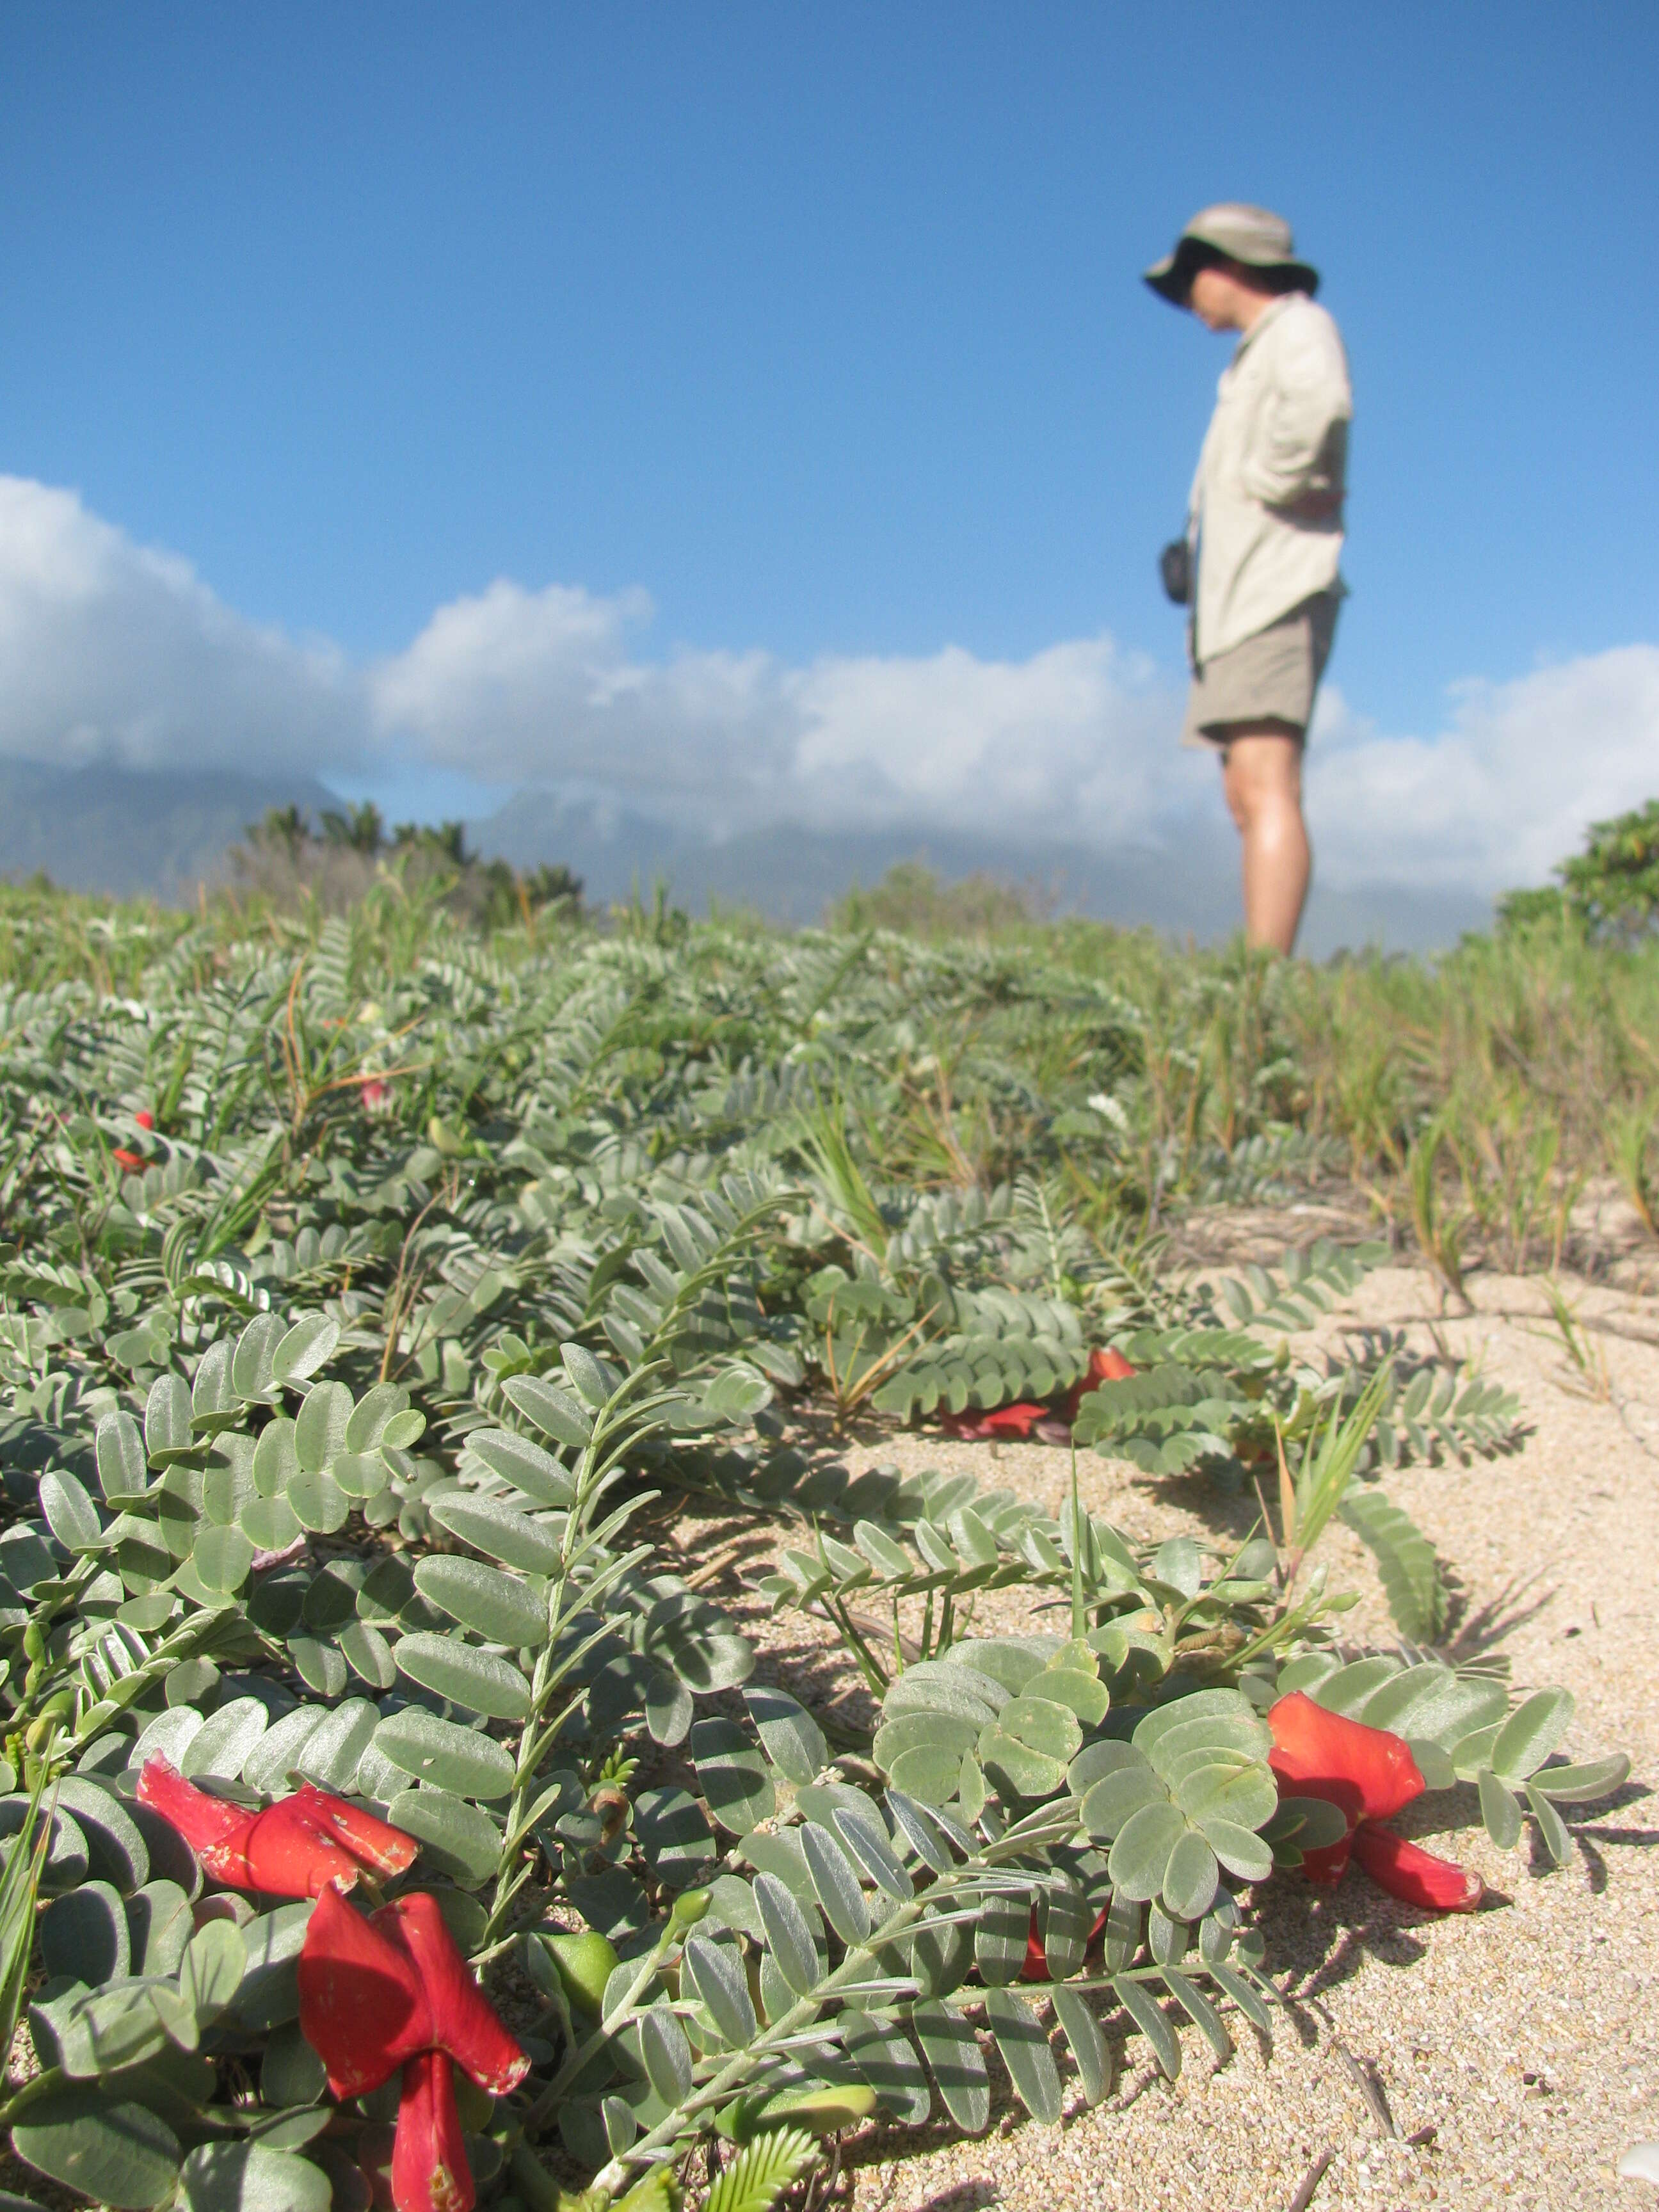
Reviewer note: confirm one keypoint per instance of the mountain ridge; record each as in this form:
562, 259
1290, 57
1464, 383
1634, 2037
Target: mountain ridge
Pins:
164, 833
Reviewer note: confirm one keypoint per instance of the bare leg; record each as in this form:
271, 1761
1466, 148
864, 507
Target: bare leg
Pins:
1262, 774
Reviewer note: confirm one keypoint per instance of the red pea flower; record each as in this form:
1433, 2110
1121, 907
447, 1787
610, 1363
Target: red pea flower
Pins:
294, 1848
1369, 1775
130, 1161
1035, 1968
392, 1991
1007, 1421
375, 1090
1021, 1419
1107, 1366
1414, 1875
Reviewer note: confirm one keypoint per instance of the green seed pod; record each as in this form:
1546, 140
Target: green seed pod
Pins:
586, 1964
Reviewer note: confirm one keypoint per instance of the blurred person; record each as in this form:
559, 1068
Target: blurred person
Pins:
1259, 564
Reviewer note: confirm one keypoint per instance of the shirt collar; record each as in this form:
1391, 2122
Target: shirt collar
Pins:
1270, 314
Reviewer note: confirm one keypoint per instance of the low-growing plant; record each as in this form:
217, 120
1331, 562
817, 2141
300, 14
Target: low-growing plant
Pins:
375, 1298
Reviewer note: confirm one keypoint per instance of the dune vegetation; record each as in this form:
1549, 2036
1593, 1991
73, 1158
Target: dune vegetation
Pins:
385, 1276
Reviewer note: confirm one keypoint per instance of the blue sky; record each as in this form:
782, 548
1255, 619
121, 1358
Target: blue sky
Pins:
821, 325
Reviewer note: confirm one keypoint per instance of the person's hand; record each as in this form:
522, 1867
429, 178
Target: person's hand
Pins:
1314, 507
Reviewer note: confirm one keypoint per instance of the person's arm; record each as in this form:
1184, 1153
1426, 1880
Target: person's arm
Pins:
1295, 459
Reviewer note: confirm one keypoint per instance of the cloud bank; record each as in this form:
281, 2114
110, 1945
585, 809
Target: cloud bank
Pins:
112, 650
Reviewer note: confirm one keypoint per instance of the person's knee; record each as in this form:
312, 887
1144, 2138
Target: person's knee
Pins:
1250, 784
1240, 799
1262, 777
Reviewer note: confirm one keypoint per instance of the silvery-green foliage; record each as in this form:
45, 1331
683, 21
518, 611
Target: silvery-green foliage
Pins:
338, 1408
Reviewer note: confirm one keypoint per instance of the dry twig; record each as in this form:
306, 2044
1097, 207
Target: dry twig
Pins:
1310, 2181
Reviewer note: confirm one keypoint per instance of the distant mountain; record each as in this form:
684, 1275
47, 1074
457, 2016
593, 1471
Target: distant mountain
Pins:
134, 833
791, 872
130, 834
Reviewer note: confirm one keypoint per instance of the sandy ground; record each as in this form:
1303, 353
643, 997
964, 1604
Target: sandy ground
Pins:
1519, 2047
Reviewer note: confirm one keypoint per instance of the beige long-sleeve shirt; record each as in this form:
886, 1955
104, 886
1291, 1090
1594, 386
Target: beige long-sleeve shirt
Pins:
1266, 513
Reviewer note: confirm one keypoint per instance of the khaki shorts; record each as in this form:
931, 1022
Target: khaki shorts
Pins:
1269, 678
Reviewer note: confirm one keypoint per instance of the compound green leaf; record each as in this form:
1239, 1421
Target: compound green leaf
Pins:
1531, 1733
480, 1681
732, 1776
1203, 2014
717, 1978
1000, 1934
459, 1760
1111, 1803
1583, 1785
110, 1836
223, 1557
1190, 1878
1500, 1811
835, 1883
455, 1837
318, 1501
373, 1410
1142, 1849
1025, 2052
1088, 2045
211, 1972
70, 1514
498, 1532
267, 1765
884, 2055
502, 1607
666, 2055
251, 2176
222, 1745
84, 1935
167, 1433
553, 1411
956, 2063
120, 2154
320, 1430
307, 1346
122, 1474
332, 1752
1147, 2014
525, 1465
1241, 1850
792, 1739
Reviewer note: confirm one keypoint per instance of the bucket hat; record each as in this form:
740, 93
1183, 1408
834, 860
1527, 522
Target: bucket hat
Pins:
1253, 236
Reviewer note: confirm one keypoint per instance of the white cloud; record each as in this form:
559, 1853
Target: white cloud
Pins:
1502, 794
526, 687
110, 650
538, 687
1076, 743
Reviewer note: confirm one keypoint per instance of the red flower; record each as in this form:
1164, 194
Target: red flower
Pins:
294, 1848
1108, 1366
1414, 1875
1369, 1775
1007, 1421
131, 1161
1021, 1420
393, 1991
1035, 1968
375, 1092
